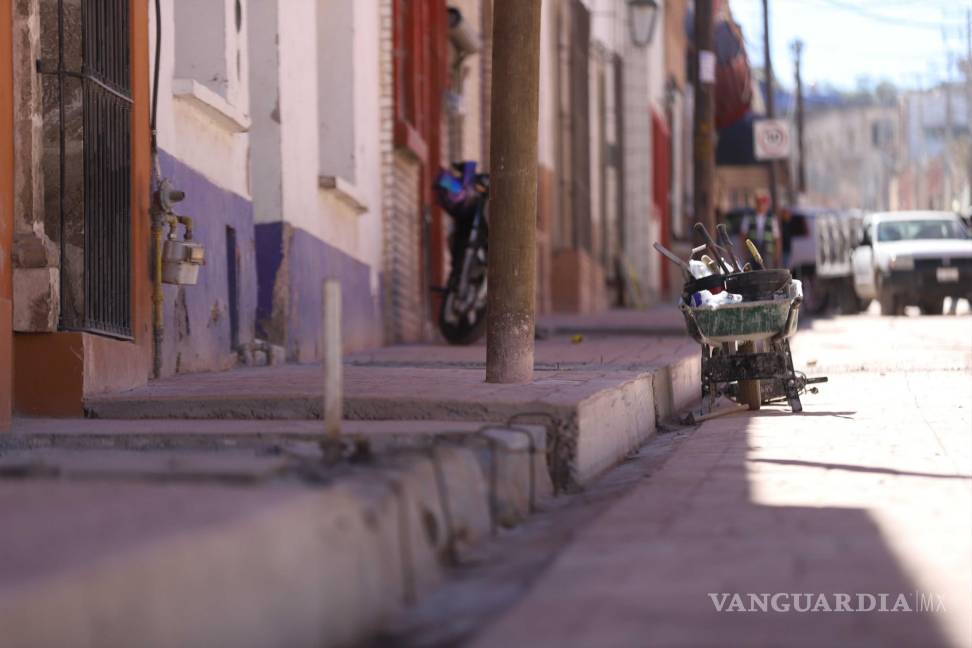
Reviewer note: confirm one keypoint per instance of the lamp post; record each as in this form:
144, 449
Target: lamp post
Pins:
642, 15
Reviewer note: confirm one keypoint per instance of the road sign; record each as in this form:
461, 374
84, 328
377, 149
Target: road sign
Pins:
771, 139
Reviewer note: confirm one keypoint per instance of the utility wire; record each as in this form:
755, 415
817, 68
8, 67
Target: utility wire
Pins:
947, 6
891, 20
866, 11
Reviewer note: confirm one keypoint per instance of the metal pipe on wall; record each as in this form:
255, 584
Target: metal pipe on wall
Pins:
157, 212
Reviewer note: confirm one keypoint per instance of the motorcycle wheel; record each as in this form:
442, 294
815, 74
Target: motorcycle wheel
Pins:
464, 331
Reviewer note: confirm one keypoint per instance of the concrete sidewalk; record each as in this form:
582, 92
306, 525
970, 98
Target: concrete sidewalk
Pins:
602, 392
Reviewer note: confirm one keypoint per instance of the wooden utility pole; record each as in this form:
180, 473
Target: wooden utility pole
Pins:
515, 113
801, 163
919, 163
949, 132
770, 109
968, 89
704, 116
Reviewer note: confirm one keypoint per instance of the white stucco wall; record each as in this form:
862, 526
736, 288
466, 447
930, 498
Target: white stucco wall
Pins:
288, 135
644, 83
297, 46
336, 87
844, 166
636, 149
211, 46
191, 132
547, 137
608, 22
608, 27
368, 180
355, 231
657, 73
608, 34
643, 91
471, 144
194, 133
265, 151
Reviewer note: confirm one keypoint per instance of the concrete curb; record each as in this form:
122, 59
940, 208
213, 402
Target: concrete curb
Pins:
306, 566
677, 387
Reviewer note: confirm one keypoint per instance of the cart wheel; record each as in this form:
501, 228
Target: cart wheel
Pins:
749, 391
750, 394
795, 404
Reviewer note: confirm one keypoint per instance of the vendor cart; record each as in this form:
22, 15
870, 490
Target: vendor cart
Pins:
746, 349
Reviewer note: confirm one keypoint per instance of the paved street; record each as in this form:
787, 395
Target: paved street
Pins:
867, 492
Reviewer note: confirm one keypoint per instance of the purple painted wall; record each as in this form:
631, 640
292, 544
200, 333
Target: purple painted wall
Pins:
197, 318
292, 265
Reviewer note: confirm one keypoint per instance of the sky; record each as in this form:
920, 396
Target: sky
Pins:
846, 41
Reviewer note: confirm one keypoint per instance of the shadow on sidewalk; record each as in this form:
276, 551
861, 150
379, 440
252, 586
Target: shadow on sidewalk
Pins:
764, 413
853, 468
714, 521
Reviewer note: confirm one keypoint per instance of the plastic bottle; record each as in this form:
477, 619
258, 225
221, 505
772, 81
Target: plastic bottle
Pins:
698, 269
707, 299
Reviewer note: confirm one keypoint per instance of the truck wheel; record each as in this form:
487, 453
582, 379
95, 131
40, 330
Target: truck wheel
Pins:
814, 295
850, 304
932, 306
890, 304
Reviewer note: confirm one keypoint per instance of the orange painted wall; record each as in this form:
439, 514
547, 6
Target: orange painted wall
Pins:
141, 188
6, 214
49, 374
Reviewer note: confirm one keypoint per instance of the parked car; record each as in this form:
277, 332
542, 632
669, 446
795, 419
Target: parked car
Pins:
913, 258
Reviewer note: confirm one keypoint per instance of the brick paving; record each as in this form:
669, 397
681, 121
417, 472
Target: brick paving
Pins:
604, 391
568, 368
869, 491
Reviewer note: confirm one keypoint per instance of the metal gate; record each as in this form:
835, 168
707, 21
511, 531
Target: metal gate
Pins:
101, 301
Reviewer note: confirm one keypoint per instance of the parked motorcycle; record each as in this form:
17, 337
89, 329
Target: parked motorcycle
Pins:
463, 193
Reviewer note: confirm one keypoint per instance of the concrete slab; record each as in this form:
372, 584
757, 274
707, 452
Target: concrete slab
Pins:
600, 397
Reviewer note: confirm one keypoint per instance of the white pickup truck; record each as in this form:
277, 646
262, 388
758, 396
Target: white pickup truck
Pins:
913, 258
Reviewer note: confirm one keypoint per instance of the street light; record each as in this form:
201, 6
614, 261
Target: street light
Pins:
642, 15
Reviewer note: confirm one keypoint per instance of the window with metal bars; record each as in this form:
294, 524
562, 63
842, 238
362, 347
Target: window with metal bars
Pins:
88, 104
